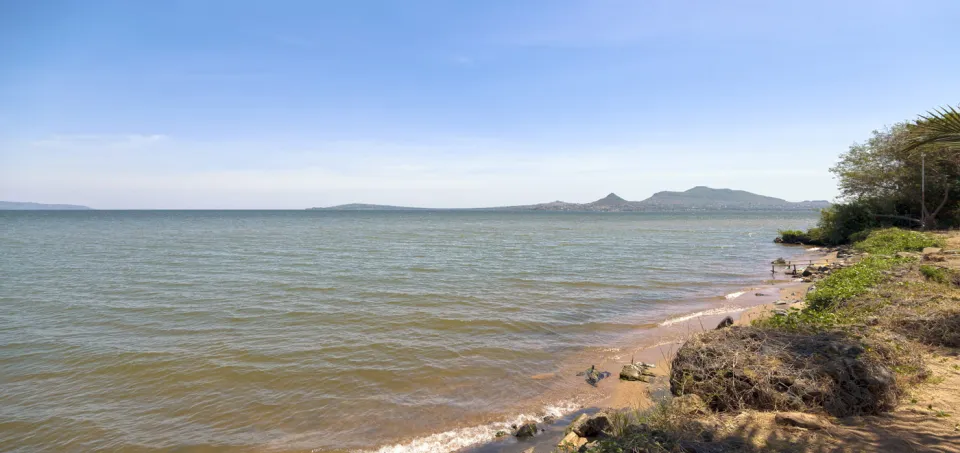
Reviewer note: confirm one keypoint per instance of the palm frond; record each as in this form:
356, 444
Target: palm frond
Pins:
939, 126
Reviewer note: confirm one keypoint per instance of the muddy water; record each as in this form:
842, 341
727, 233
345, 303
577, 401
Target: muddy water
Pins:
323, 331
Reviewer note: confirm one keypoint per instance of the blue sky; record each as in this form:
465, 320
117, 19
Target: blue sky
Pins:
291, 104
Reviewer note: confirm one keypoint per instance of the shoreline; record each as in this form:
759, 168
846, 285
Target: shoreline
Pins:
652, 344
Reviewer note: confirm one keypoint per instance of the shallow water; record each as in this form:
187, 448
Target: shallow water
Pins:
312, 330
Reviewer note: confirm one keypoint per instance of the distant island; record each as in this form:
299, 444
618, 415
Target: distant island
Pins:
699, 198
27, 206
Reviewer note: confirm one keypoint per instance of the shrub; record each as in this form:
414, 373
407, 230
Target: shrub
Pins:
811, 237
839, 222
892, 240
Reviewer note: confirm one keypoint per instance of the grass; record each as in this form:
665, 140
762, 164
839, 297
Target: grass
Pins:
850, 282
797, 320
938, 274
892, 240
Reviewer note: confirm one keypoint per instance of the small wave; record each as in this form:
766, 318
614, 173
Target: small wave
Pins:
460, 438
309, 288
710, 312
574, 283
734, 295
424, 269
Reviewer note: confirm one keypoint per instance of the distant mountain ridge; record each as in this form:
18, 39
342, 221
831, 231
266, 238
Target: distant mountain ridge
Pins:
700, 198
29, 206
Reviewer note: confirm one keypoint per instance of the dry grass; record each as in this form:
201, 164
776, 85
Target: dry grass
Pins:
768, 369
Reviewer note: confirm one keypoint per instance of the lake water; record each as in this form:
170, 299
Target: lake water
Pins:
323, 331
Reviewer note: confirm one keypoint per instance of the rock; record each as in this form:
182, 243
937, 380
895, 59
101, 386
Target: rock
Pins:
727, 322
807, 271
590, 426
572, 440
549, 420
780, 312
780, 302
906, 255
690, 404
808, 421
500, 434
931, 250
529, 450
593, 376
528, 429
632, 373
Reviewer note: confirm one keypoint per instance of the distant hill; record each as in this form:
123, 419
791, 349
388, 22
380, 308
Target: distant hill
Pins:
699, 198
702, 197
27, 206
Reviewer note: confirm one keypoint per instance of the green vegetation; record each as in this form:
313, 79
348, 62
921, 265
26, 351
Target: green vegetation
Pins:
903, 176
936, 274
797, 237
849, 282
892, 240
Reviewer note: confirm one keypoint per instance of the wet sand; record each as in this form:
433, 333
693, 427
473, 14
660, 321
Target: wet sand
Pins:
658, 345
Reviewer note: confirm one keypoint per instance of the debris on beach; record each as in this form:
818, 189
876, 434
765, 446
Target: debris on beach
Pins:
593, 376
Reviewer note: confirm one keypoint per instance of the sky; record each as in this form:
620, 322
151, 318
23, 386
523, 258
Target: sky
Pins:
282, 104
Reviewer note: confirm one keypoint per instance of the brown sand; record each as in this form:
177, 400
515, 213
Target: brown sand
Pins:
624, 394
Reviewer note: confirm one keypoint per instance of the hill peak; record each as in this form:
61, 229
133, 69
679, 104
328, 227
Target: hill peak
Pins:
612, 199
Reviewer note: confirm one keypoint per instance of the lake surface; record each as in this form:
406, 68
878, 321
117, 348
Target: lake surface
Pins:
322, 331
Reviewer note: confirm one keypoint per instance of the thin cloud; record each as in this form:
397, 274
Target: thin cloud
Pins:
112, 141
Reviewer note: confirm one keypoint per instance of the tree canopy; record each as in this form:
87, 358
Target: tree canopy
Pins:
908, 173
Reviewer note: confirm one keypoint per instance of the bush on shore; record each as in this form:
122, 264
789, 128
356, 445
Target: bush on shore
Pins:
797, 237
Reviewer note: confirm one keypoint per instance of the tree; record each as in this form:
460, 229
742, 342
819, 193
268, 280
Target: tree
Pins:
890, 173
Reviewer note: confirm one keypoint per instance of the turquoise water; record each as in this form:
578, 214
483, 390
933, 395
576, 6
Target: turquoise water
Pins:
313, 330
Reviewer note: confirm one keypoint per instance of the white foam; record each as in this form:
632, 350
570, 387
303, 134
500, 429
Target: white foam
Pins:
734, 295
710, 312
465, 437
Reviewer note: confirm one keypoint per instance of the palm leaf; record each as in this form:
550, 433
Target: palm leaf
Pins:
940, 126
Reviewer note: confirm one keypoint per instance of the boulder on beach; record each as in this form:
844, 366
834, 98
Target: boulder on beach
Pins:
590, 425
727, 322
571, 440
634, 372
528, 429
